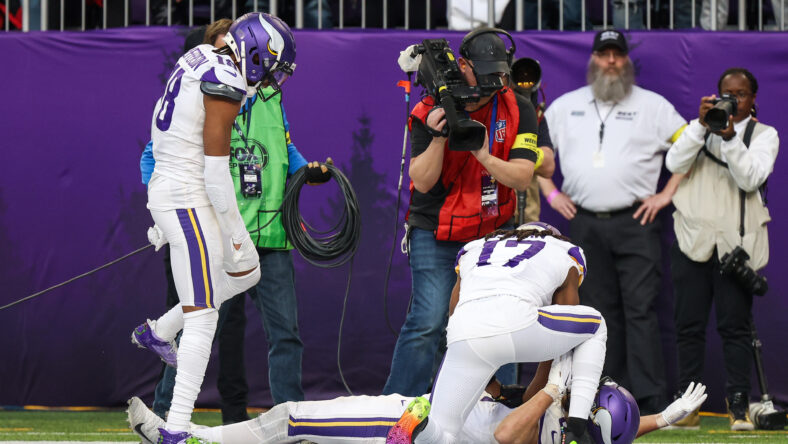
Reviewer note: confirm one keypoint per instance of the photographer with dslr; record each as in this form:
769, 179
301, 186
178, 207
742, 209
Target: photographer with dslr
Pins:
721, 218
458, 194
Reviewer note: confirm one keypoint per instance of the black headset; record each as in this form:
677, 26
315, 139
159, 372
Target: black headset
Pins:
484, 30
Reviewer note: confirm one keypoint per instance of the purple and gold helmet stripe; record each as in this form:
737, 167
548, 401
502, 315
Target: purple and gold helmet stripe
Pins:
350, 427
198, 258
570, 322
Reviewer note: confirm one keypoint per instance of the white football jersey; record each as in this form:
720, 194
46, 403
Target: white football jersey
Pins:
177, 128
530, 269
550, 425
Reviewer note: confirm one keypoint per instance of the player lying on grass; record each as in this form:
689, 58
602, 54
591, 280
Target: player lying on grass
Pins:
538, 419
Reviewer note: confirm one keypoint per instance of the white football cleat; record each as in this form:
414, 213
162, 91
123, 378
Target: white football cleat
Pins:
143, 422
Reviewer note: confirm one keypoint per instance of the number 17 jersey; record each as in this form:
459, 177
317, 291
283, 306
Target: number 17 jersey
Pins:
177, 128
530, 269
504, 281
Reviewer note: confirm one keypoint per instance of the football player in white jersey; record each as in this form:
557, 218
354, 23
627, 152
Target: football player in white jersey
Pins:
191, 195
367, 419
515, 300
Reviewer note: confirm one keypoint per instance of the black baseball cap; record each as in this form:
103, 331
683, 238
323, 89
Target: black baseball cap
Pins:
488, 53
610, 38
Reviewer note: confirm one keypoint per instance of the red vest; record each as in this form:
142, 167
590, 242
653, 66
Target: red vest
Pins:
460, 217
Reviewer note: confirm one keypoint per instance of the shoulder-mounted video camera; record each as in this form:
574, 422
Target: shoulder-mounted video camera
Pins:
439, 73
735, 264
717, 117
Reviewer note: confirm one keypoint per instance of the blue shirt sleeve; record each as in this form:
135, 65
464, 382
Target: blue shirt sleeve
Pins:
147, 163
294, 158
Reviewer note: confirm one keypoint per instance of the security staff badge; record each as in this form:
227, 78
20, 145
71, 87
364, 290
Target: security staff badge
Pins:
489, 195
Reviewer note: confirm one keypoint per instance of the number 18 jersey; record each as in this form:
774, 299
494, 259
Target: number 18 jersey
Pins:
530, 269
177, 128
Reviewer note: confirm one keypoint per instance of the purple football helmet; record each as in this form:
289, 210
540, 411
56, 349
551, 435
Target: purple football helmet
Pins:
265, 49
615, 415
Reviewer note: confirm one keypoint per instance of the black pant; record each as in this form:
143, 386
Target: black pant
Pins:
231, 382
623, 282
696, 285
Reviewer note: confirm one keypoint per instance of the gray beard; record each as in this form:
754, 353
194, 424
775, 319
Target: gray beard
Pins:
607, 88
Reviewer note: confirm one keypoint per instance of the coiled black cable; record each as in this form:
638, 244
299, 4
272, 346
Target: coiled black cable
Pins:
330, 248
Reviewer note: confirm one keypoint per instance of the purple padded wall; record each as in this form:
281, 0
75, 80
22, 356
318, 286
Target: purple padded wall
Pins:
76, 113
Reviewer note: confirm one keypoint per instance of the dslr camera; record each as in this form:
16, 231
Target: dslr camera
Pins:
724, 106
439, 73
735, 264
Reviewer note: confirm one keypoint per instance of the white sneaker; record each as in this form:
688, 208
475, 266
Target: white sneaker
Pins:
143, 422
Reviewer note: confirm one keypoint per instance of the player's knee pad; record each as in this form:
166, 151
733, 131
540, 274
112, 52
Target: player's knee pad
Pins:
233, 285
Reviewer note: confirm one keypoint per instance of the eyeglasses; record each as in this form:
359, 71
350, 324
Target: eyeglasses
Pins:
741, 95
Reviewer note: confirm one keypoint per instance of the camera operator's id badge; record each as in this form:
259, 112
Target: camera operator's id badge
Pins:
598, 160
251, 186
489, 196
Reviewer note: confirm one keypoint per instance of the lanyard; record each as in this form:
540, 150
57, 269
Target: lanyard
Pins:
602, 122
247, 110
494, 121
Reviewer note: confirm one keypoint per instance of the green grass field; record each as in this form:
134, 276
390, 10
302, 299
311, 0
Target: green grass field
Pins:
111, 426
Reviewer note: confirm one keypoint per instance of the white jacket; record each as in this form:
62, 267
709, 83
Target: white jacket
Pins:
707, 201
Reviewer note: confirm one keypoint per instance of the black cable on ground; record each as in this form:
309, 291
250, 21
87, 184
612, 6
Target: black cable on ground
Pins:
333, 247
138, 250
325, 249
342, 323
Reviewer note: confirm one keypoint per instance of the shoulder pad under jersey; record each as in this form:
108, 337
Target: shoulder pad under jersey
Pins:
222, 90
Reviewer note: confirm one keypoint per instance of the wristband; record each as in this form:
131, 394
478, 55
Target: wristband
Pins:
552, 195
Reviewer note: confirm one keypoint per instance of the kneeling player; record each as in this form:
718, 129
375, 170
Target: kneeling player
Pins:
515, 300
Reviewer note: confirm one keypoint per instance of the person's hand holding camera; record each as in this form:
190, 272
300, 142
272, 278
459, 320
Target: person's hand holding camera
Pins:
483, 153
707, 103
436, 122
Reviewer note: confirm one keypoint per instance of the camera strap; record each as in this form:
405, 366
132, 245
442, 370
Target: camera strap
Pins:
742, 194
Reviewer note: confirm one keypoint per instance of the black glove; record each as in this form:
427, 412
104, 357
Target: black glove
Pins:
316, 172
511, 395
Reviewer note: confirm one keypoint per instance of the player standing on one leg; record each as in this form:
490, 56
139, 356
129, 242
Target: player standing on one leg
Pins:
506, 284
192, 198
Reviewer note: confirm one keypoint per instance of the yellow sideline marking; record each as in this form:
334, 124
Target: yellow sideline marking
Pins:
16, 429
68, 409
112, 430
568, 318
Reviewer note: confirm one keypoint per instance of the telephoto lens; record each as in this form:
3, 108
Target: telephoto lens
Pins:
717, 117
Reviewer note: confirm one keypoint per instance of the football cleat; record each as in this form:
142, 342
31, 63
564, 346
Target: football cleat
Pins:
144, 337
167, 437
411, 423
143, 422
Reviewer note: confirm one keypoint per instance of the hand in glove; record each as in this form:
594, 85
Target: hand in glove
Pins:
156, 237
689, 402
317, 173
560, 376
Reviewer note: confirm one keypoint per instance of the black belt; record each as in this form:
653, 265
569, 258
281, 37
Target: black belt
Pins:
611, 213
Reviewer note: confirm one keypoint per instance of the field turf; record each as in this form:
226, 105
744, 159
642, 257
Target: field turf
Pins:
111, 426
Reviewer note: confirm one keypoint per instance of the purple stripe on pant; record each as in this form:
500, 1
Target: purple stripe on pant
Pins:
362, 430
569, 326
201, 299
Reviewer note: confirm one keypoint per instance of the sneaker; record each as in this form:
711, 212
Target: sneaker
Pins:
690, 422
167, 437
143, 422
738, 406
571, 438
144, 337
411, 423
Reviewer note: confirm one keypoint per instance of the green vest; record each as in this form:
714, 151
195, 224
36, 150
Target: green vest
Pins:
266, 146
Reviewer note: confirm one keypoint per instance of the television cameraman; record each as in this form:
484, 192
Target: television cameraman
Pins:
458, 196
719, 207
